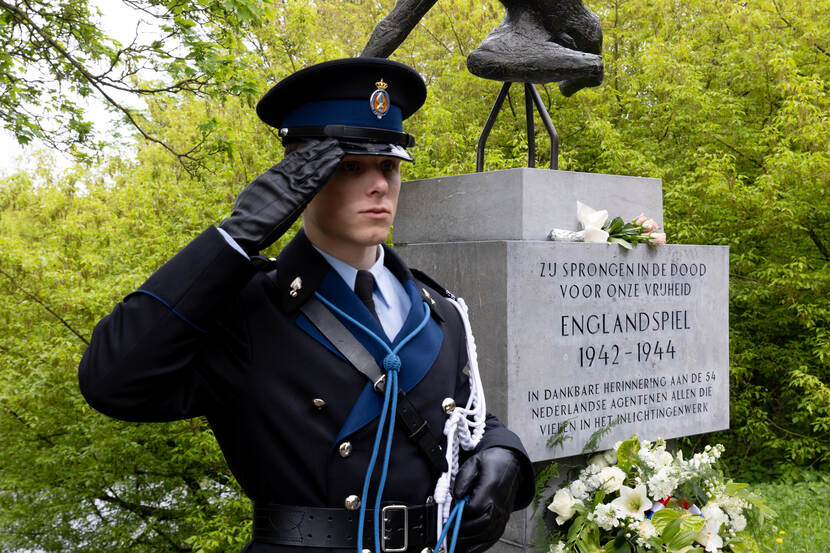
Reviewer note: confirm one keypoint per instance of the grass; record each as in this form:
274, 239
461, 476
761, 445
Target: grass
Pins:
803, 514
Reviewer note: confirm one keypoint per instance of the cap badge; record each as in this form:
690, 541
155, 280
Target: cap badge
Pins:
379, 100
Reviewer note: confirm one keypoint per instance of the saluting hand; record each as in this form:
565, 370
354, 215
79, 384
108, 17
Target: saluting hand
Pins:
268, 206
491, 479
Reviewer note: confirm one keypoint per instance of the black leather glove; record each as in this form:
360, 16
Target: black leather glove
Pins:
268, 206
491, 479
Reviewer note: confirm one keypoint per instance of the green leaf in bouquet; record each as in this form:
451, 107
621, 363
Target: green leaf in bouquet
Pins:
576, 527
681, 531
593, 441
627, 453
734, 488
656, 543
614, 226
620, 544
588, 539
662, 518
559, 437
624, 243
630, 230
692, 491
743, 542
543, 478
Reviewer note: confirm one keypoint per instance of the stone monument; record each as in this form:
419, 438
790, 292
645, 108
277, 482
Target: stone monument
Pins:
574, 338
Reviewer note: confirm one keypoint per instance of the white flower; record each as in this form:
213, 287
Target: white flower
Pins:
594, 235
663, 483
714, 515
611, 479
646, 529
605, 516
592, 221
733, 506
578, 490
590, 476
709, 538
611, 456
662, 458
558, 548
738, 523
632, 502
590, 217
563, 505
599, 460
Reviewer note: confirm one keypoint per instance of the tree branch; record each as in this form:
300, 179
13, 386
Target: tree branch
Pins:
794, 28
23, 422
24, 19
43, 305
139, 509
819, 244
740, 153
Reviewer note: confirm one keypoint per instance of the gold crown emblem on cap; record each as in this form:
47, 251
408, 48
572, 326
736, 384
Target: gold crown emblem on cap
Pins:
381, 85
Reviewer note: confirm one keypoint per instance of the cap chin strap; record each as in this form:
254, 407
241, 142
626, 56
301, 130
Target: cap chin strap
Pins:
464, 427
346, 132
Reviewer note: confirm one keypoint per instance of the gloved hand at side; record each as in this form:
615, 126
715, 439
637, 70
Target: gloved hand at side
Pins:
268, 206
491, 479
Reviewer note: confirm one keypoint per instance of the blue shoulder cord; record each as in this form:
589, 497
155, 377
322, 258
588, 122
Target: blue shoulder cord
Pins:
454, 514
392, 364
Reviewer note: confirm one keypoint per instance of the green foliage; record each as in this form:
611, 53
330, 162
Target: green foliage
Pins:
55, 55
627, 453
592, 443
726, 102
803, 520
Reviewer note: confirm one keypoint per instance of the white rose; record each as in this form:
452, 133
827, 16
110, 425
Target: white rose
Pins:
599, 460
590, 217
611, 478
563, 505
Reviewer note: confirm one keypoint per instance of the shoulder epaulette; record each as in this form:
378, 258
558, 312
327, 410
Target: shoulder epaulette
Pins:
264, 263
429, 281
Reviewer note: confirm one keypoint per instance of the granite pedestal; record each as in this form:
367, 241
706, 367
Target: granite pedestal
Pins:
573, 337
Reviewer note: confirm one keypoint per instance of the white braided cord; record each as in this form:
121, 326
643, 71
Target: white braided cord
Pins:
465, 426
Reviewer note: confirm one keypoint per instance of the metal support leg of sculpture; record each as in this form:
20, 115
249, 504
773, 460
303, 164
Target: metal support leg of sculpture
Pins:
531, 98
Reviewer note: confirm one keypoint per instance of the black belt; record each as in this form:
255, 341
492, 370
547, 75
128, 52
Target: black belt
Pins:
402, 528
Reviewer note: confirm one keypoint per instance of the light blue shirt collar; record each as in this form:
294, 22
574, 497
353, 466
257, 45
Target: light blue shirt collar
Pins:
392, 303
349, 273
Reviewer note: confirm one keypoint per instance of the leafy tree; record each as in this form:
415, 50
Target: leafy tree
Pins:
54, 55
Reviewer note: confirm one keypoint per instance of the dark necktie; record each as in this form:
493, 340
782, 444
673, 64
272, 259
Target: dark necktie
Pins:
364, 286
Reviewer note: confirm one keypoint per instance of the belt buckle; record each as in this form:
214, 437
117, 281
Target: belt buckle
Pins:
385, 535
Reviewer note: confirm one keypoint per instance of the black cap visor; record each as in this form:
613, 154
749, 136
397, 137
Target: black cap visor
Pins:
364, 141
370, 149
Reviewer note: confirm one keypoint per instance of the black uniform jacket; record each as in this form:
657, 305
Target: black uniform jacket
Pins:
213, 334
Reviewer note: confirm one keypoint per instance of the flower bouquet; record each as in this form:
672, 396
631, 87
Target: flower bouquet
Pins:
639, 497
597, 227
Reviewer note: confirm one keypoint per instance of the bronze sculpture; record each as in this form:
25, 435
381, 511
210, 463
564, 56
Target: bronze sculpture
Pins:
539, 41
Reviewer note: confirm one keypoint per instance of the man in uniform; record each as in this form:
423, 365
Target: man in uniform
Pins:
303, 364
